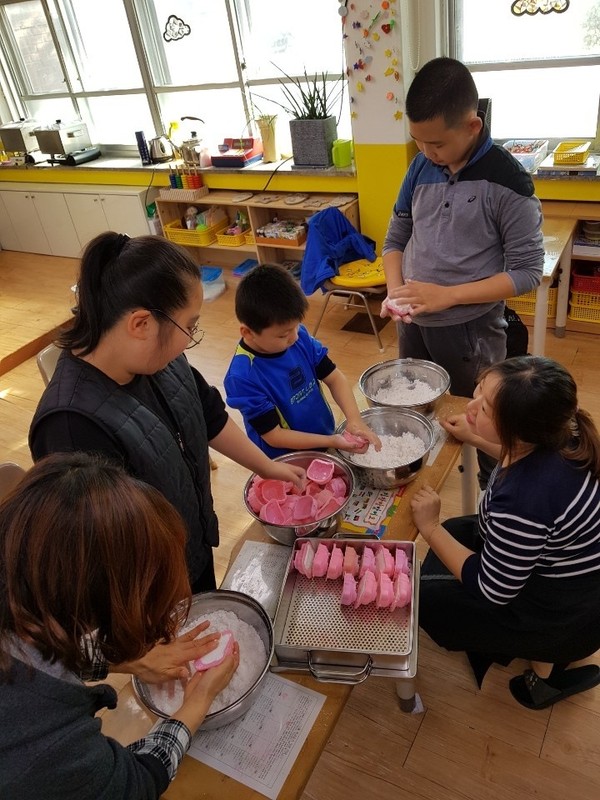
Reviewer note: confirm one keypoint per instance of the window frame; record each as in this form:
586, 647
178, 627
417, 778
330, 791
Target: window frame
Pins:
148, 52
454, 41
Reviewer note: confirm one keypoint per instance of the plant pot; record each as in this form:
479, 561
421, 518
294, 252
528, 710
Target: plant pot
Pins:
267, 134
312, 140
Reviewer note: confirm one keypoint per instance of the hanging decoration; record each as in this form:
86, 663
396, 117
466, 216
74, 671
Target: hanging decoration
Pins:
531, 7
175, 29
366, 28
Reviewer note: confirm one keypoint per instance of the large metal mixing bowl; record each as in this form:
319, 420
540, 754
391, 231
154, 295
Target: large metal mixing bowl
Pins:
384, 374
249, 611
392, 422
323, 528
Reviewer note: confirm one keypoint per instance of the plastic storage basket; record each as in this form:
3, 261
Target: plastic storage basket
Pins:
525, 303
584, 313
528, 152
175, 233
586, 279
571, 152
231, 240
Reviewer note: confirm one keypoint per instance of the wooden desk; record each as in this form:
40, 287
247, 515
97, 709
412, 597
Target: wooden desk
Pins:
558, 243
196, 781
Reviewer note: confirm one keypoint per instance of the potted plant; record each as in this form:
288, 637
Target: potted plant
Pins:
309, 100
266, 126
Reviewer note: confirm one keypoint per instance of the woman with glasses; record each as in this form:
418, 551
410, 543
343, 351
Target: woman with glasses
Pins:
123, 387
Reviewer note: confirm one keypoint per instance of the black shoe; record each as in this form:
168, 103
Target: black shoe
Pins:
536, 693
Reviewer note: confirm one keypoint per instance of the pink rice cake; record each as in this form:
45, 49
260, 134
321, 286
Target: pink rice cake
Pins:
401, 562
348, 590
223, 649
367, 562
359, 441
402, 591
350, 560
384, 562
320, 562
320, 471
303, 560
385, 591
336, 563
367, 589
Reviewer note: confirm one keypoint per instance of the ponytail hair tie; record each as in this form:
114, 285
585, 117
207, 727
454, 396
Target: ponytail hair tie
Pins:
120, 243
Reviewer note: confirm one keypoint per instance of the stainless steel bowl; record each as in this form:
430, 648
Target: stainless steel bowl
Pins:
323, 528
382, 375
392, 422
248, 610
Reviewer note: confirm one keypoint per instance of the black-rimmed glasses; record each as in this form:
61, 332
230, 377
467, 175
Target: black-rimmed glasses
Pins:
195, 334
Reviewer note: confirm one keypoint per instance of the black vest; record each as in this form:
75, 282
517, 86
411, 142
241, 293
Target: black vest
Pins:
178, 466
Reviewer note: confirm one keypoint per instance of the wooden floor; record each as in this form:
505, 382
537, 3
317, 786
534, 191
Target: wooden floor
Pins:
468, 744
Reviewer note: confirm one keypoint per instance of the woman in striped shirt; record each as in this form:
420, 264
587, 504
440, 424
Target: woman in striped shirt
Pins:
522, 579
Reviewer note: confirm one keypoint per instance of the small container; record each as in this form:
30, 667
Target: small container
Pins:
381, 376
213, 282
528, 152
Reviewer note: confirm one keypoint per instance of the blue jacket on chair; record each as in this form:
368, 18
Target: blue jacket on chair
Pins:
331, 241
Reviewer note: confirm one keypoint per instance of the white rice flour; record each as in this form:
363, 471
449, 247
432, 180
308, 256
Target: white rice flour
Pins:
395, 451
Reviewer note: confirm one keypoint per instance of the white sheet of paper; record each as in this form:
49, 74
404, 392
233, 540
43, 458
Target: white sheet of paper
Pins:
260, 748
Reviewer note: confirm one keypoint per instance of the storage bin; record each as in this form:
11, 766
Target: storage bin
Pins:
186, 195
528, 152
525, 303
585, 299
213, 282
586, 278
584, 313
175, 233
571, 152
231, 240
249, 238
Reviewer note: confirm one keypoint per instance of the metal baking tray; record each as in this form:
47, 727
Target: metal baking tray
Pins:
315, 633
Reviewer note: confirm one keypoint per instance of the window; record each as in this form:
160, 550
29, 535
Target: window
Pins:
542, 71
128, 65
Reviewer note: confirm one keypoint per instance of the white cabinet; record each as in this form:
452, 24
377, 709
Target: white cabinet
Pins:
56, 223
93, 214
60, 219
41, 223
8, 236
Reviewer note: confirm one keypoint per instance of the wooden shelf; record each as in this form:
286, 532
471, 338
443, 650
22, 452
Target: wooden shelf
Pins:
260, 208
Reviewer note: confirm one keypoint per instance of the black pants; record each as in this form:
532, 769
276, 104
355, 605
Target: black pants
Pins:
206, 582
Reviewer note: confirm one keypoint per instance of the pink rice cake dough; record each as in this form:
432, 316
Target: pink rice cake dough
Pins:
385, 591
350, 560
312, 489
336, 563
384, 562
223, 649
320, 471
367, 562
367, 589
401, 562
348, 590
320, 562
303, 560
356, 439
402, 591
253, 501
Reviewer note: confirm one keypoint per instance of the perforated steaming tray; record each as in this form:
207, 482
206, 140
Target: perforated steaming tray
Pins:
313, 628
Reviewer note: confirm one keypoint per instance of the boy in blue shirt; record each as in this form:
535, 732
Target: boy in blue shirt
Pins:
275, 375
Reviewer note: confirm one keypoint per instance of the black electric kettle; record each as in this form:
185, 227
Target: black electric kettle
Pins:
160, 150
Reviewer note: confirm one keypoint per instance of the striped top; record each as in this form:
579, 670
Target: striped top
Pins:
541, 515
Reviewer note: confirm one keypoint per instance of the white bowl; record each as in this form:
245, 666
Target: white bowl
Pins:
382, 375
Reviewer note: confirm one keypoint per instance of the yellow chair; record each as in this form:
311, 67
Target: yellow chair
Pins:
355, 281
